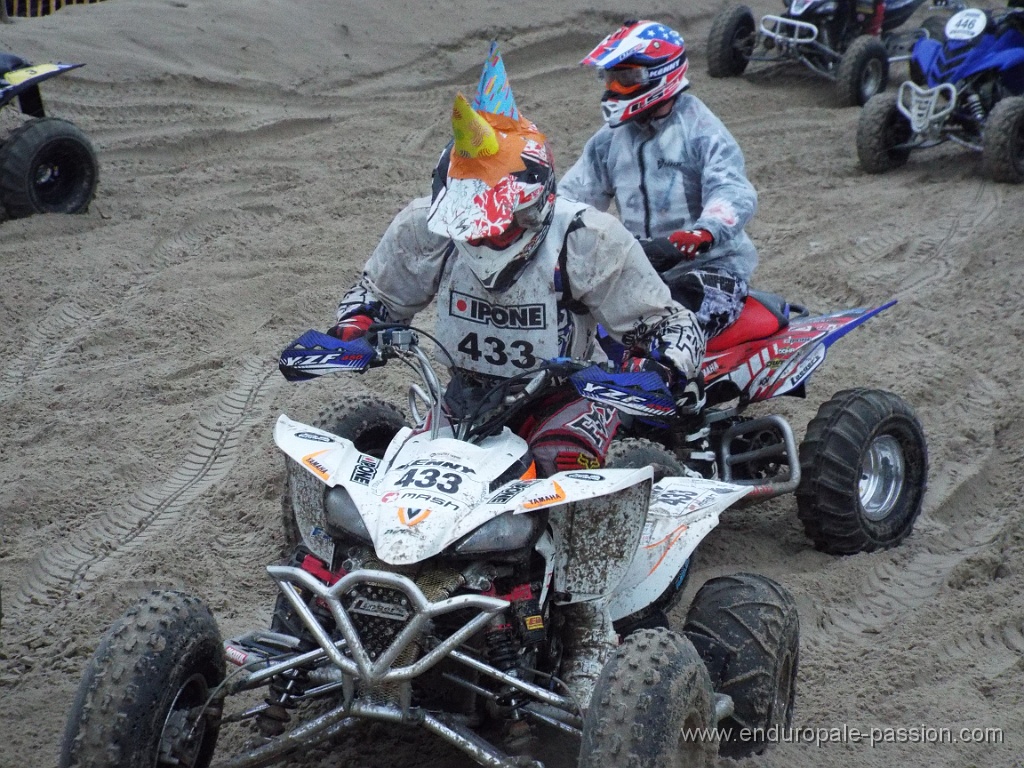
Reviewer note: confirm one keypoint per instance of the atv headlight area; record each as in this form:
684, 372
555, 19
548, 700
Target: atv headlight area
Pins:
506, 533
343, 516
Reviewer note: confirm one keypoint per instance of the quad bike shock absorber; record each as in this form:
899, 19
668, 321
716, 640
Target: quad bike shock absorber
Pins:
976, 107
280, 698
501, 645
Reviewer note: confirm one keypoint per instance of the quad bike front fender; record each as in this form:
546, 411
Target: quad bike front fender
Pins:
23, 82
682, 512
594, 541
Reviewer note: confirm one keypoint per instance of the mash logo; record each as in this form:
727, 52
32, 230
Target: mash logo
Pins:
527, 316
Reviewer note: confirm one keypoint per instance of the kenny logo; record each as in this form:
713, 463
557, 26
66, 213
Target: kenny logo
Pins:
526, 316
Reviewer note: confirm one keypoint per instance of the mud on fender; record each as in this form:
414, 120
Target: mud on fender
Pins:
595, 540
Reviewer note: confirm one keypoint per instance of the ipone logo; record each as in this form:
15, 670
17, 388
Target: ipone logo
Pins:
529, 316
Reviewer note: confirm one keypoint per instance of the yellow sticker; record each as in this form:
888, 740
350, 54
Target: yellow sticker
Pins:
534, 622
19, 76
410, 516
552, 498
318, 469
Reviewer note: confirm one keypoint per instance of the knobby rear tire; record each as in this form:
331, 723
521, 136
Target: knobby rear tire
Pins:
47, 165
747, 630
864, 471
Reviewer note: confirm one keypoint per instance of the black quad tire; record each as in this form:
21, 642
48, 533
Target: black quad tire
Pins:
1002, 155
47, 165
653, 688
881, 128
747, 630
145, 686
864, 471
863, 71
369, 422
636, 452
731, 41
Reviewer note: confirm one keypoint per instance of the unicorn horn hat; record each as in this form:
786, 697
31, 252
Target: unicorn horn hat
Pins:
492, 143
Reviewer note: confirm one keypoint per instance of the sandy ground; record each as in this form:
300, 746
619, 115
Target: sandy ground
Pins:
252, 151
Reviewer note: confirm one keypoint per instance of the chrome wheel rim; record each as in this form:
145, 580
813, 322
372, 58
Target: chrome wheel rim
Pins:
882, 475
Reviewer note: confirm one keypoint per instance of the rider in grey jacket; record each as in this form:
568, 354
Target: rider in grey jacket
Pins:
674, 171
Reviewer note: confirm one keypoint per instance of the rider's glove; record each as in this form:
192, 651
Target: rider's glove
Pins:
690, 243
351, 328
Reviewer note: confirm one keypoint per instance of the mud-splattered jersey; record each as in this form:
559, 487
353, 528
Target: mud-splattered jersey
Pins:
606, 272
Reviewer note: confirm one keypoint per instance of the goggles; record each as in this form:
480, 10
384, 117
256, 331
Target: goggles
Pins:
531, 217
502, 241
626, 80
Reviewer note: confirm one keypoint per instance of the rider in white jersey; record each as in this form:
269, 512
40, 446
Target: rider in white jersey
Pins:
520, 275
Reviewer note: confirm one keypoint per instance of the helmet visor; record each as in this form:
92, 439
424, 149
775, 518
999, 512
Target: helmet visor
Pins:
626, 80
501, 241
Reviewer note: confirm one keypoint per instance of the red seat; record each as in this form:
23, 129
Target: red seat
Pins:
756, 321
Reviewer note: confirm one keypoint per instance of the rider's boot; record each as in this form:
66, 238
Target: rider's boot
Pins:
588, 640
701, 458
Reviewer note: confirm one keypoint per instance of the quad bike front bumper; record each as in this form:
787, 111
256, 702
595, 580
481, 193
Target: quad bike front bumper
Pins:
359, 661
782, 39
926, 108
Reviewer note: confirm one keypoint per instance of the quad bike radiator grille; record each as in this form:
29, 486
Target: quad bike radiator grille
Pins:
378, 614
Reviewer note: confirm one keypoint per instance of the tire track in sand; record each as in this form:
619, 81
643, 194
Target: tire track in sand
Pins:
65, 568
930, 255
46, 348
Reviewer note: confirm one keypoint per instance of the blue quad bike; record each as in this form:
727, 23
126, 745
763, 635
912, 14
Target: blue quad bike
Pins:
827, 36
47, 164
966, 86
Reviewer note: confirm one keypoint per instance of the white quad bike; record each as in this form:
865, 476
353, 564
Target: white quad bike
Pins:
441, 584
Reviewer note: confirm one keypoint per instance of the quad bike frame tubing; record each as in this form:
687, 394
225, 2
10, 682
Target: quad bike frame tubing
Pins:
794, 37
786, 450
342, 718
361, 666
922, 106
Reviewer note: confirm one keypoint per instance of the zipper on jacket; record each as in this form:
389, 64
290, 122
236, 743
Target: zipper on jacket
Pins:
643, 186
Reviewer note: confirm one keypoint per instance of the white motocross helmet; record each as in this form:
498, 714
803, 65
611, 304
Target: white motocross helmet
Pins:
643, 64
494, 193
